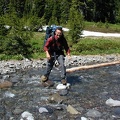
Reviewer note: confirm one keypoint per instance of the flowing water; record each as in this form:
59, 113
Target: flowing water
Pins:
89, 90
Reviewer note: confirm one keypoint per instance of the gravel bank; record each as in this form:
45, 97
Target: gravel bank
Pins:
12, 66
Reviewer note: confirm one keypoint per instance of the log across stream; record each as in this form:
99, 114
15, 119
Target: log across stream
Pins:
92, 66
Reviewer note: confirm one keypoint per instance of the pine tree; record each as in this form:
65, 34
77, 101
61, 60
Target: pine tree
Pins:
16, 39
48, 10
105, 10
117, 11
38, 8
64, 8
75, 22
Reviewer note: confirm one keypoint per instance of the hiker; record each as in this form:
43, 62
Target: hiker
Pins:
54, 48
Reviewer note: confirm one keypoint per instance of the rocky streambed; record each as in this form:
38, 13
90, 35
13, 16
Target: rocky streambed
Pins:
22, 97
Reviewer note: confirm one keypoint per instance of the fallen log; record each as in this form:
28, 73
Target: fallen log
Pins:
92, 66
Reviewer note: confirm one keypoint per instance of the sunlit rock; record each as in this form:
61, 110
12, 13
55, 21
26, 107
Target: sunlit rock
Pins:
112, 102
26, 116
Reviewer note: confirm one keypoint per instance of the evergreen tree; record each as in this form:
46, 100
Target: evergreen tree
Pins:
48, 10
75, 22
16, 39
104, 10
38, 8
3, 33
19, 7
3, 6
87, 8
64, 8
55, 18
28, 8
117, 13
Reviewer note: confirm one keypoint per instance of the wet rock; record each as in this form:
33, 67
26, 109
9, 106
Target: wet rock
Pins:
112, 102
9, 94
72, 110
43, 109
5, 77
46, 109
5, 84
84, 118
61, 86
63, 92
17, 110
116, 112
15, 79
93, 113
26, 115
56, 98
59, 107
8, 115
2, 110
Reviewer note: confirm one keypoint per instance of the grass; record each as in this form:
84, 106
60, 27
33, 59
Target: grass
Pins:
37, 43
89, 46
102, 27
9, 57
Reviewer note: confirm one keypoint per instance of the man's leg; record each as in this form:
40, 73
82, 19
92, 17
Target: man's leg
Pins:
49, 67
61, 60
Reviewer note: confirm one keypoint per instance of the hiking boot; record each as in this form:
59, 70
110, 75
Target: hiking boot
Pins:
48, 83
45, 82
43, 78
64, 81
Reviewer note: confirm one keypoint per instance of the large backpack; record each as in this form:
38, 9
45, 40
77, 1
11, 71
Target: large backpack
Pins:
50, 31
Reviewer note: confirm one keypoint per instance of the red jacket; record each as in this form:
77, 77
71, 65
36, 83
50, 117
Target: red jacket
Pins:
55, 44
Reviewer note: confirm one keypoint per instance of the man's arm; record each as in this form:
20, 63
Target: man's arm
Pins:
46, 47
47, 55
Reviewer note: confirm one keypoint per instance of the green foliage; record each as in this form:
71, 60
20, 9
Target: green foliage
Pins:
102, 27
52, 21
37, 45
96, 46
75, 22
3, 30
92, 10
8, 57
117, 11
16, 40
104, 11
52, 12
48, 10
33, 23
99, 24
64, 8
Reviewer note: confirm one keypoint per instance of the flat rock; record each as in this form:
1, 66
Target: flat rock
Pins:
62, 87
5, 84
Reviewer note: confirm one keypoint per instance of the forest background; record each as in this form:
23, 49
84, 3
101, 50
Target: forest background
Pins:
21, 22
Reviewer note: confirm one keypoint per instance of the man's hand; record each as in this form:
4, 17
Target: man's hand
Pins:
48, 55
68, 56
